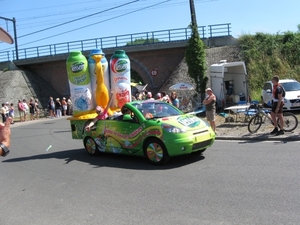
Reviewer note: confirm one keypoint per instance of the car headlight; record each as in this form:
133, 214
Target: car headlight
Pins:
172, 129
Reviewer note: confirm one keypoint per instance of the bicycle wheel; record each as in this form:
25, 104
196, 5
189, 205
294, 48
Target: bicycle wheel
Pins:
290, 121
254, 124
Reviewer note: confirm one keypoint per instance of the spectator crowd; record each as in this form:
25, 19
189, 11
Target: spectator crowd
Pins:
31, 110
172, 99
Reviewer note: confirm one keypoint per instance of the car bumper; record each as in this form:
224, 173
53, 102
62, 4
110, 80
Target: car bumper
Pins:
194, 142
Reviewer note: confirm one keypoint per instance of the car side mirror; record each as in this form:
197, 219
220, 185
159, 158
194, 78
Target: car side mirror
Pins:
268, 91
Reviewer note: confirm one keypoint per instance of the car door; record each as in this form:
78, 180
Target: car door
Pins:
123, 136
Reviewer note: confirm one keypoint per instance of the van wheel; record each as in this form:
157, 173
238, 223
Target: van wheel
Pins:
91, 146
156, 152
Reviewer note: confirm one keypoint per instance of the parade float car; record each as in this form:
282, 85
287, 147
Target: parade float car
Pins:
163, 133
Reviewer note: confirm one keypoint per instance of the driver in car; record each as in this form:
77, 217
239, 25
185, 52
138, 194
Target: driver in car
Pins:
146, 111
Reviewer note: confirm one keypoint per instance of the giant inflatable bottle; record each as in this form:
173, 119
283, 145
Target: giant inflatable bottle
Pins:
93, 74
79, 82
120, 78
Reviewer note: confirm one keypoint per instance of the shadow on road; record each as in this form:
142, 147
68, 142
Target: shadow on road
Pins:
112, 160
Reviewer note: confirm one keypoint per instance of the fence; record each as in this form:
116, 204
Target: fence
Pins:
173, 35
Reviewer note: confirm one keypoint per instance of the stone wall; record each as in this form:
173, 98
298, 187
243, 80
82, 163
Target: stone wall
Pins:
180, 74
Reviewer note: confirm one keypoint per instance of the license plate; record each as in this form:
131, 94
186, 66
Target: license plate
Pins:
297, 104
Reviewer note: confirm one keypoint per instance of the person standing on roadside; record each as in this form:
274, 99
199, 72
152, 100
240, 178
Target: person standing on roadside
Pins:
165, 97
64, 106
3, 113
36, 107
277, 105
21, 110
6, 109
210, 105
51, 106
58, 107
11, 113
31, 108
26, 108
69, 106
174, 99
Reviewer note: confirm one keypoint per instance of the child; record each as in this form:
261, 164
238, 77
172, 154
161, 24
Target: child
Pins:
101, 115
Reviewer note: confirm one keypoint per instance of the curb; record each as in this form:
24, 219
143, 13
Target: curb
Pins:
259, 138
42, 119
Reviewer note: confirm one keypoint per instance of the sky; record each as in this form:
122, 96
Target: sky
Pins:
41, 22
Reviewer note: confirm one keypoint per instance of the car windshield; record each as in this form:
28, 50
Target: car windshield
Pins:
157, 109
291, 86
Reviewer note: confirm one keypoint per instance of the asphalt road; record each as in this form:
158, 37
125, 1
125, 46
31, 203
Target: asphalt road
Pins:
237, 182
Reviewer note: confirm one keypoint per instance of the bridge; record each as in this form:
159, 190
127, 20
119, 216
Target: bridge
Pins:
121, 41
162, 52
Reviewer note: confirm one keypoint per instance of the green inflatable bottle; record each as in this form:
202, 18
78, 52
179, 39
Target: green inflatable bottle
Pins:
120, 78
79, 82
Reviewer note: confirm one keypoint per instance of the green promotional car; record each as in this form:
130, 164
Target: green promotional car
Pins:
153, 129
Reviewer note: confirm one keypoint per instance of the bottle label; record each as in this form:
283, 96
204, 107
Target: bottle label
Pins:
120, 65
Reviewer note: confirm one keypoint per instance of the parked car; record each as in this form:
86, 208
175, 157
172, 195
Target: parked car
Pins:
154, 129
292, 91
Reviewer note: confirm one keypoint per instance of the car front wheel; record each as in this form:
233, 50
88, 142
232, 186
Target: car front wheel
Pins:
156, 152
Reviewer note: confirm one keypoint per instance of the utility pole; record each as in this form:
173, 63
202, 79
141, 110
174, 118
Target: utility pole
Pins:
15, 34
193, 13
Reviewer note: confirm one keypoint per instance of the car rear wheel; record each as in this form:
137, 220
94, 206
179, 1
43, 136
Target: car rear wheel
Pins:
91, 146
156, 152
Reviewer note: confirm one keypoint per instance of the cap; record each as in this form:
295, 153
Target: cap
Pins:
64, 98
6, 103
57, 99
149, 94
208, 89
158, 95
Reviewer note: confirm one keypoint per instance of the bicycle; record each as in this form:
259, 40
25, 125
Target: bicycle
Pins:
290, 121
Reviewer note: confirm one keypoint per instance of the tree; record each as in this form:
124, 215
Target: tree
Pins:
195, 58
142, 41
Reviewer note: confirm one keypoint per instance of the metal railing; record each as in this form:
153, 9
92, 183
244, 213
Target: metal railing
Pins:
173, 35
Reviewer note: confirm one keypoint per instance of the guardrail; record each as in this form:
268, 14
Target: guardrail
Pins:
173, 35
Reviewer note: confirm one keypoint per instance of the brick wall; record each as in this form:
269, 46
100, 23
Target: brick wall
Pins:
55, 73
169, 63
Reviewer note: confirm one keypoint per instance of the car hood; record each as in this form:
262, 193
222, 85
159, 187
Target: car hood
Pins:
186, 122
292, 94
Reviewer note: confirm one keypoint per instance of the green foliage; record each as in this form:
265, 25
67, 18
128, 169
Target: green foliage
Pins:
5, 69
135, 77
195, 58
142, 41
267, 55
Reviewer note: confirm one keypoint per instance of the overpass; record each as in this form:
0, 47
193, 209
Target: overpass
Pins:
163, 56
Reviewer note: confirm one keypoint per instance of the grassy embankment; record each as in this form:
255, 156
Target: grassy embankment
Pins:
267, 55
